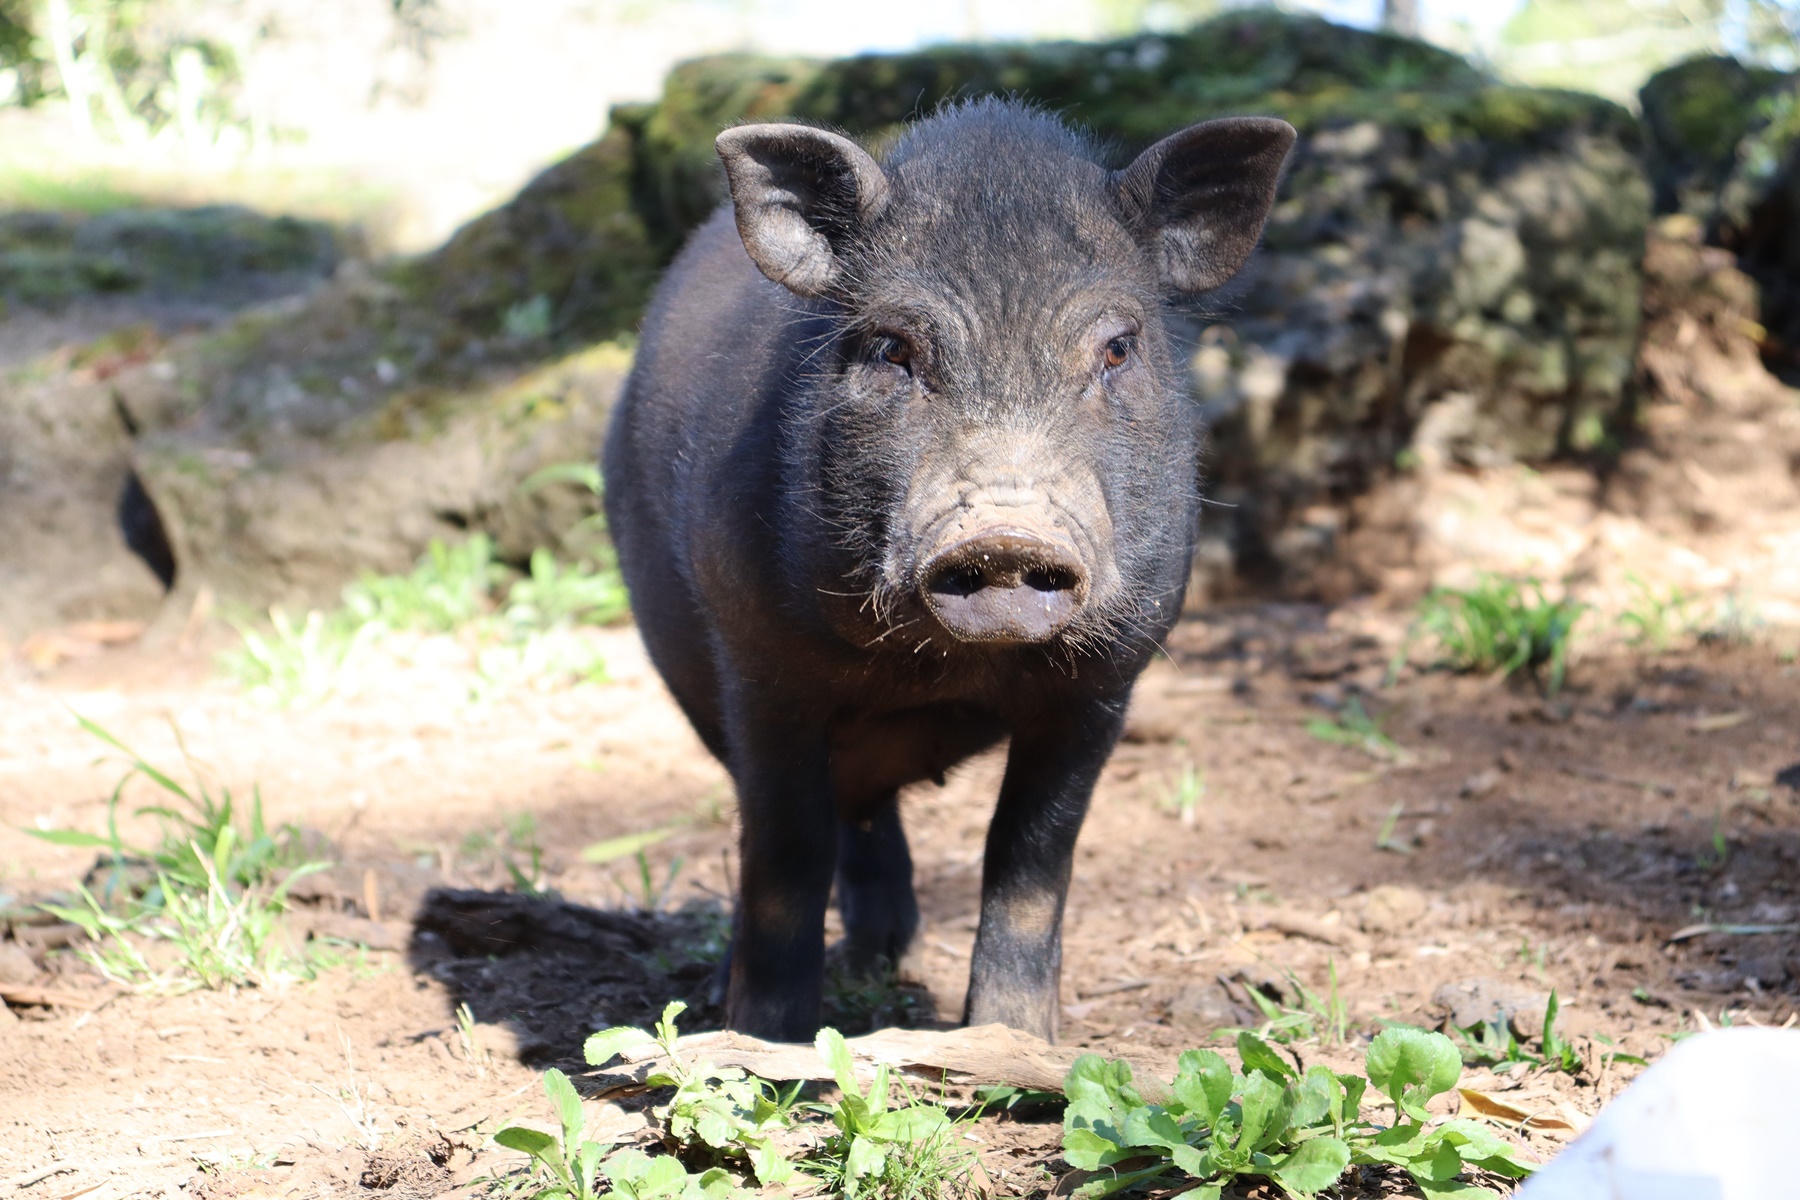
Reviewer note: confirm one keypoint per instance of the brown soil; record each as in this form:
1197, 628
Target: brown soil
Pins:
1531, 844
1506, 845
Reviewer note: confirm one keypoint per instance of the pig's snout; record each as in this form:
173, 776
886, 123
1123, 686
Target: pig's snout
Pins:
1005, 586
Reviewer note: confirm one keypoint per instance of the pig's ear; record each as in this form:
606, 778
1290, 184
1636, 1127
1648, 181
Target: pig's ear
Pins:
800, 194
1198, 198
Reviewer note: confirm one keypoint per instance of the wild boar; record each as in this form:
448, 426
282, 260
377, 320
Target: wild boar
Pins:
907, 466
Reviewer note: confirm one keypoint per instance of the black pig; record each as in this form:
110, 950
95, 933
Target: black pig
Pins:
906, 467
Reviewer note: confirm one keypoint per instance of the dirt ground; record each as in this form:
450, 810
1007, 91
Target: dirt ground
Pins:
1503, 846
1529, 845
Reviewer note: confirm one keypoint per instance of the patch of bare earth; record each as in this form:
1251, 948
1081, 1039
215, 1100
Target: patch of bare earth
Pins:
1614, 843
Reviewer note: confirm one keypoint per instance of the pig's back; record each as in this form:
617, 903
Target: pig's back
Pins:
689, 464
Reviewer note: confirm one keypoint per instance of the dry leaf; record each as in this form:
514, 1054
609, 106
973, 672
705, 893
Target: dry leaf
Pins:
1718, 721
1504, 1111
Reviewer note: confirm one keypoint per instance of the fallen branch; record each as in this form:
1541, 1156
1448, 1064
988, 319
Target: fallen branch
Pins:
1594, 775
23, 994
983, 1056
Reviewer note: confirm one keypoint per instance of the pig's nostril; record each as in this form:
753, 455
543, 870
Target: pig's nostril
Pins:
1004, 587
1052, 579
959, 581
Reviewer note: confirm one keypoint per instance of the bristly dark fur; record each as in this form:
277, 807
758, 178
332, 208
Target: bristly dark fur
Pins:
972, 331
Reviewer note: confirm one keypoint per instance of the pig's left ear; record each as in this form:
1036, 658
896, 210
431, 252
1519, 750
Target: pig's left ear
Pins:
800, 195
1198, 198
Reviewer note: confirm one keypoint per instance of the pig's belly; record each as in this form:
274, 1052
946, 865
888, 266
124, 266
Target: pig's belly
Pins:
871, 755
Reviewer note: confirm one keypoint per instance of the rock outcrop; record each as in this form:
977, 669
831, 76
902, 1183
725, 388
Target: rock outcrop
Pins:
1724, 149
1453, 263
1452, 272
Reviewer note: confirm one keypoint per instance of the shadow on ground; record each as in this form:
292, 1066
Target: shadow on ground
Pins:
556, 972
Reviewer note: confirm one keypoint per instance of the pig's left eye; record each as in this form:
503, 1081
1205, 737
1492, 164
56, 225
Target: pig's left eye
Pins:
1116, 353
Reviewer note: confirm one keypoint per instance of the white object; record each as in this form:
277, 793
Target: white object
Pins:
1717, 1118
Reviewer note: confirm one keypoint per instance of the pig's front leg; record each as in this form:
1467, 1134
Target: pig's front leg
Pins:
1050, 775
787, 846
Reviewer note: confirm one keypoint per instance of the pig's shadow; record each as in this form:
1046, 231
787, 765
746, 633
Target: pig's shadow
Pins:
555, 972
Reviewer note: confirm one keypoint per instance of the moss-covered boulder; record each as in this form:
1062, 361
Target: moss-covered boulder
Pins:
1446, 247
50, 258
1451, 271
1716, 129
1724, 149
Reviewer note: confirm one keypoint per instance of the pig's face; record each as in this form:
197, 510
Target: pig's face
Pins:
1001, 445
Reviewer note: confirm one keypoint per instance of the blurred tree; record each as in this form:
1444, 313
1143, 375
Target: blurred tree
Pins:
1131, 16
1612, 46
22, 71
1400, 16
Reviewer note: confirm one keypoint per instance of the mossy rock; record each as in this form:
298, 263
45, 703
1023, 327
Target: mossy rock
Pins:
48, 258
591, 232
1703, 118
1725, 150
1451, 269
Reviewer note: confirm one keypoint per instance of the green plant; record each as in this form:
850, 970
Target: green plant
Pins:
574, 1165
449, 587
522, 627
553, 595
571, 1161
1300, 1131
1499, 626
729, 1120
473, 1051
296, 663
528, 320
1324, 1019
554, 657
1557, 1050
1355, 728
1384, 837
1657, 619
1735, 622
1718, 850
892, 1152
1490, 1043
728, 1115
1182, 797
651, 897
214, 887
502, 849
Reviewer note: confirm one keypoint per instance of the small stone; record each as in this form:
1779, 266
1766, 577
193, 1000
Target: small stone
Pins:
1480, 784
1201, 1008
16, 966
1769, 972
1391, 908
1471, 1002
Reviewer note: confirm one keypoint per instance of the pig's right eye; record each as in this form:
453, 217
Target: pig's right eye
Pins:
893, 351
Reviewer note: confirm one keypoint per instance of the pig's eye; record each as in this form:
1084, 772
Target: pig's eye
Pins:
1117, 352
893, 351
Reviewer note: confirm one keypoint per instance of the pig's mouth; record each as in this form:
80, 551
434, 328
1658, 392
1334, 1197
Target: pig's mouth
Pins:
1005, 586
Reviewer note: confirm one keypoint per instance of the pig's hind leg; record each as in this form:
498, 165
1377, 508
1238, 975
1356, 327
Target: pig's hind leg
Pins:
875, 884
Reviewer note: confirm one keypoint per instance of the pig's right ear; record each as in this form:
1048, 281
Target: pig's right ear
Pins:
1198, 199
801, 194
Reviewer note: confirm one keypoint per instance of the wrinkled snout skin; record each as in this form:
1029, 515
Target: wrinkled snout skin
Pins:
906, 468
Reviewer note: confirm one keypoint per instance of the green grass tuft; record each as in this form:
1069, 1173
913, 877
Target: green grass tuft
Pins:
212, 891
1499, 626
